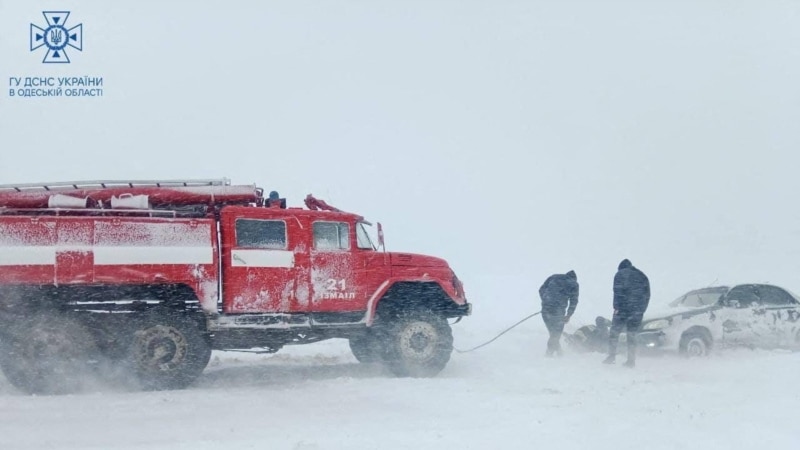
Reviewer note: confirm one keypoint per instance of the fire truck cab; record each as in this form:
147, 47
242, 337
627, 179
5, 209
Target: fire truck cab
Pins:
145, 278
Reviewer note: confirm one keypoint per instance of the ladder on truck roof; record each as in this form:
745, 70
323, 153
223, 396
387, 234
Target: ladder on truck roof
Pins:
105, 184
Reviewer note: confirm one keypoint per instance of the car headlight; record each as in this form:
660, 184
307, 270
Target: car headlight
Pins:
656, 324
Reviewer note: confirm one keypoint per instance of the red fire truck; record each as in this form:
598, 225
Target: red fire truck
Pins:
142, 279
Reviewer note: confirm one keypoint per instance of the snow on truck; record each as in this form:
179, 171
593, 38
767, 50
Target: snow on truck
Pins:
142, 279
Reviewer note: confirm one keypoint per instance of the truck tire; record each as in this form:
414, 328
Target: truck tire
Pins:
367, 348
695, 344
418, 344
47, 354
168, 350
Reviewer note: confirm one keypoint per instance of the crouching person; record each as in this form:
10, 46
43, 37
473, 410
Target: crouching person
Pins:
591, 338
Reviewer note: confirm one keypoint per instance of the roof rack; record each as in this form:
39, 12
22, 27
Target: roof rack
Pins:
158, 194
104, 184
100, 212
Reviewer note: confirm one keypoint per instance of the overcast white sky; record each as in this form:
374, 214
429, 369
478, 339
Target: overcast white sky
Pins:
515, 139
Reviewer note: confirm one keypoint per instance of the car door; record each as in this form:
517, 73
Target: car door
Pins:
372, 268
335, 286
738, 315
259, 264
776, 317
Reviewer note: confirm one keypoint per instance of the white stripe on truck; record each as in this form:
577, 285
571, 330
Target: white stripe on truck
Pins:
40, 255
28, 256
114, 256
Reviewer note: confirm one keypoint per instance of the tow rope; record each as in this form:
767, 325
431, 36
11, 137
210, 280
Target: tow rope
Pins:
495, 338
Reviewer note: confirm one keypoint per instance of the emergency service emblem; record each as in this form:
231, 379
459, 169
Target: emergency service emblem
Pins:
56, 37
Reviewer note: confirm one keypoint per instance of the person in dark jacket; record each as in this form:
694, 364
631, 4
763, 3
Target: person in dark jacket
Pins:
591, 338
559, 295
631, 298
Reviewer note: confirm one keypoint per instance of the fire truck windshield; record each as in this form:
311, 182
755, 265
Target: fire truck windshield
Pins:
362, 237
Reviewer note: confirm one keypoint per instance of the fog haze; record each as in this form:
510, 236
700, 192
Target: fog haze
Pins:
514, 139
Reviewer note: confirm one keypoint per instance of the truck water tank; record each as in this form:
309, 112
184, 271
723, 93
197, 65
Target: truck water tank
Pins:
130, 201
66, 201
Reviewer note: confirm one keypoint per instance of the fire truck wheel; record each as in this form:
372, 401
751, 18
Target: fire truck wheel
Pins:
419, 344
168, 350
48, 354
367, 348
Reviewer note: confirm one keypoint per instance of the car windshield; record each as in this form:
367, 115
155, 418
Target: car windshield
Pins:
362, 237
796, 298
699, 298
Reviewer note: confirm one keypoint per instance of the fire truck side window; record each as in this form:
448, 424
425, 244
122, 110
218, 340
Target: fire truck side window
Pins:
251, 233
331, 236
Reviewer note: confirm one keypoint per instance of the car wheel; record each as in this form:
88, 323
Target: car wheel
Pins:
695, 344
48, 354
419, 344
168, 350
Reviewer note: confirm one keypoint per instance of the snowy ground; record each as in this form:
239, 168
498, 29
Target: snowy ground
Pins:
506, 395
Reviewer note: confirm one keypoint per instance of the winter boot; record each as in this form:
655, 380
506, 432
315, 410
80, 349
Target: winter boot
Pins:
611, 359
631, 362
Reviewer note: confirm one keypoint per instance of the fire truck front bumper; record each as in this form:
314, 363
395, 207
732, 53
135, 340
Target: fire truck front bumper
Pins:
463, 310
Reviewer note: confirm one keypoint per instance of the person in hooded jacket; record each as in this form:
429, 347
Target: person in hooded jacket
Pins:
559, 295
631, 298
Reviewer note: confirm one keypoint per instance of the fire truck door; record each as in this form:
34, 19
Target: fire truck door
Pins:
334, 284
259, 267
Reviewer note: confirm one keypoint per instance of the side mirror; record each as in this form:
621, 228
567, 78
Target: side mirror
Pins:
381, 243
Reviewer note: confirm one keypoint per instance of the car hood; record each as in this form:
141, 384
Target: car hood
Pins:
413, 259
669, 312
